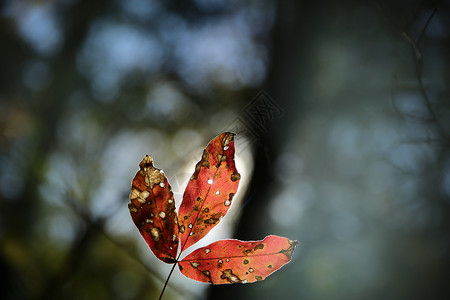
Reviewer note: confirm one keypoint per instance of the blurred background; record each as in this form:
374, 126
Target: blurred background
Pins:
342, 115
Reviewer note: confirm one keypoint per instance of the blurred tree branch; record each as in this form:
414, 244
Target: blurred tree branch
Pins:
432, 170
418, 62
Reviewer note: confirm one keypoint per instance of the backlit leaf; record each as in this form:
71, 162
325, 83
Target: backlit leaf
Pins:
206, 200
152, 208
234, 261
210, 190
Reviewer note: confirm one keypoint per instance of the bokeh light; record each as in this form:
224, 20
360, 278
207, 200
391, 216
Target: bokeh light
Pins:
348, 153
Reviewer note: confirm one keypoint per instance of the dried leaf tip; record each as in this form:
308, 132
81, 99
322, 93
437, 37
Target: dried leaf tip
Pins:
227, 139
288, 252
146, 162
152, 175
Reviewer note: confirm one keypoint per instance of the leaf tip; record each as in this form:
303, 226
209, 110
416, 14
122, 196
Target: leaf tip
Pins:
230, 133
227, 138
146, 162
289, 251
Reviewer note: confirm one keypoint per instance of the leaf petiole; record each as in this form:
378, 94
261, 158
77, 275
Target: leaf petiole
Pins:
167, 280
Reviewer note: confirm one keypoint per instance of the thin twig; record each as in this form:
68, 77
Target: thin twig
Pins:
426, 26
418, 61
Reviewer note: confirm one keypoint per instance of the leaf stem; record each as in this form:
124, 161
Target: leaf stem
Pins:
167, 281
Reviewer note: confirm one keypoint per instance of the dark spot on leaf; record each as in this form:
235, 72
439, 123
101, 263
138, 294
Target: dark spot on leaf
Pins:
132, 208
170, 260
259, 278
247, 252
199, 199
269, 266
220, 159
235, 176
205, 159
211, 221
228, 274
185, 217
259, 246
204, 162
206, 210
206, 273
219, 263
246, 261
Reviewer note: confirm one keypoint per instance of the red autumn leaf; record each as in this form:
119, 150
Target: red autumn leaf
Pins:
210, 190
152, 208
206, 200
234, 261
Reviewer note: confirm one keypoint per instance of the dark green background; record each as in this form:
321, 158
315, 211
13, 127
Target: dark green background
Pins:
356, 168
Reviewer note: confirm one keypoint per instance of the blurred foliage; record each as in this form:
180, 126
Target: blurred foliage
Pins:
357, 168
